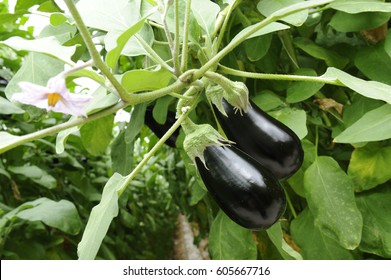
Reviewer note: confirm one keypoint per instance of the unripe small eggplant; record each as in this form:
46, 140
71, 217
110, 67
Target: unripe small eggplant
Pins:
247, 192
264, 138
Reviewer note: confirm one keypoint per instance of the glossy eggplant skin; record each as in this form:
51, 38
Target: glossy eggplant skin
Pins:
264, 138
247, 192
161, 129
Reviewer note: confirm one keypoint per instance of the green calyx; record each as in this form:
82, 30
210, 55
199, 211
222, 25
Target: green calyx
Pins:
198, 137
236, 93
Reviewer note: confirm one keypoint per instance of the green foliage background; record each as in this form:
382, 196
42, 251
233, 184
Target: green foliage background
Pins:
339, 201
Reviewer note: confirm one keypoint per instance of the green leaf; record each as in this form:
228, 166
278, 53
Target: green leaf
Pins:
113, 55
122, 155
371, 89
344, 22
360, 6
229, 241
300, 91
330, 197
160, 109
313, 243
267, 8
257, 47
96, 135
101, 100
8, 108
143, 80
100, 218
331, 57
270, 28
62, 137
267, 100
136, 122
373, 126
369, 166
57, 19
35, 174
375, 63
205, 13
61, 215
105, 15
376, 209
294, 119
286, 251
22, 5
7, 139
46, 45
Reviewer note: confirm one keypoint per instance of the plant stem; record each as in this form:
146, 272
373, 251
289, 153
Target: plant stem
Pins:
157, 146
248, 32
281, 77
288, 200
95, 54
175, 53
57, 128
152, 54
185, 37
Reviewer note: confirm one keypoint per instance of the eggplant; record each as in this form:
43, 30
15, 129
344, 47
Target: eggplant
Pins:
264, 138
161, 129
244, 189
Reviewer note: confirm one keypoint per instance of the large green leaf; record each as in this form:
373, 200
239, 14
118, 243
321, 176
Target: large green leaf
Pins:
96, 135
344, 22
371, 89
113, 55
331, 57
375, 63
205, 12
143, 80
7, 139
286, 251
267, 8
8, 108
61, 215
229, 241
37, 68
330, 197
100, 219
370, 166
122, 155
270, 28
136, 122
373, 126
313, 243
57, 214
294, 119
360, 6
375, 207
299, 91
46, 45
35, 174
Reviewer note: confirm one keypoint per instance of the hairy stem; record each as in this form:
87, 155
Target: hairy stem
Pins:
57, 128
184, 56
182, 117
281, 77
246, 33
95, 54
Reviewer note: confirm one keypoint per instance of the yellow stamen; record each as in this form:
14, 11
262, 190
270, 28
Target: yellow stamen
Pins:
53, 99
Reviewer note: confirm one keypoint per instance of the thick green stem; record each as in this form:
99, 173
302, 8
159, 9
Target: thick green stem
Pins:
281, 77
175, 53
95, 54
184, 56
247, 33
57, 128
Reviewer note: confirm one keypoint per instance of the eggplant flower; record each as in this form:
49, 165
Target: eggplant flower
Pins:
54, 97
